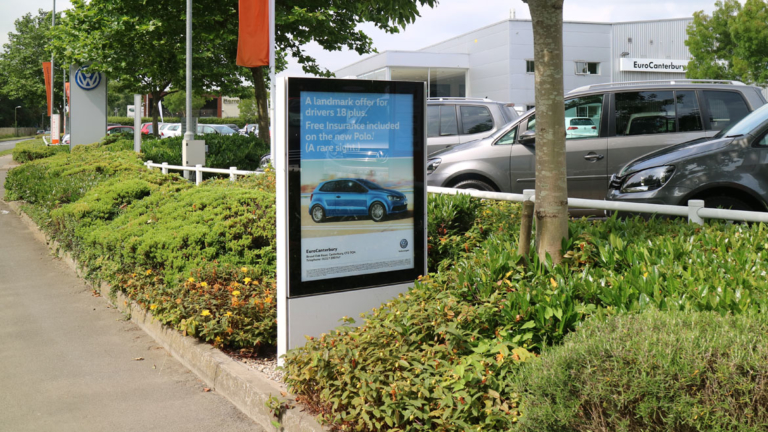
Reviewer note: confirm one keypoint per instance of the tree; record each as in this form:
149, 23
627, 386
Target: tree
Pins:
141, 44
710, 42
551, 208
177, 102
248, 109
332, 25
731, 44
21, 64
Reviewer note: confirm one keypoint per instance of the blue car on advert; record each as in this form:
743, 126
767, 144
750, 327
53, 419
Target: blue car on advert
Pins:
354, 197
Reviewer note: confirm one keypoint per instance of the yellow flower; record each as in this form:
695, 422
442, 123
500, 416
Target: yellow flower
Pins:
152, 307
191, 279
553, 282
235, 293
247, 280
203, 284
499, 357
229, 314
206, 312
149, 272
244, 270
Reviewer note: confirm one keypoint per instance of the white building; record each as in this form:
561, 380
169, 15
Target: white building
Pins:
496, 61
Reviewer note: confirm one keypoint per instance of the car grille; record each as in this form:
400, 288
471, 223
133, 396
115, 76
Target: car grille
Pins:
615, 182
399, 208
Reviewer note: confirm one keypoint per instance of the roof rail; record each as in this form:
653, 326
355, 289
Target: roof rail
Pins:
458, 99
652, 82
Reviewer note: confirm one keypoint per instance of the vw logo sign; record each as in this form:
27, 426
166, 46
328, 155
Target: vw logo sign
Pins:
85, 80
403, 244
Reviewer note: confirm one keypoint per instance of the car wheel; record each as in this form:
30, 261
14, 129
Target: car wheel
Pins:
318, 213
474, 185
378, 212
727, 203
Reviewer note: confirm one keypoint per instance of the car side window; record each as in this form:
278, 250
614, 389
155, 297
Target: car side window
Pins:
688, 113
448, 124
475, 119
357, 187
531, 123
328, 187
433, 121
725, 108
508, 138
583, 116
643, 113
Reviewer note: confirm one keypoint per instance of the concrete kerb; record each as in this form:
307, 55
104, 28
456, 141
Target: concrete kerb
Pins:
247, 389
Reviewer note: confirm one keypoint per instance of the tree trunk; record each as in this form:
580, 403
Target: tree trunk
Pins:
155, 101
551, 209
260, 90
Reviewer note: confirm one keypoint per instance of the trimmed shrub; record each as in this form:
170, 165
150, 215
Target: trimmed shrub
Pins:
34, 149
128, 121
652, 372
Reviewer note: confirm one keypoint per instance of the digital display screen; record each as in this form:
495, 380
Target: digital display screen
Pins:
356, 184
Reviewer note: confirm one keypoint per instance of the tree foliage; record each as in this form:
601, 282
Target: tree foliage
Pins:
731, 44
21, 66
177, 102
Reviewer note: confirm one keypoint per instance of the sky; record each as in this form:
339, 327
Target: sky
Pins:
449, 19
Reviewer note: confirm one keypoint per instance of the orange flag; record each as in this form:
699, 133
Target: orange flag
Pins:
253, 35
47, 75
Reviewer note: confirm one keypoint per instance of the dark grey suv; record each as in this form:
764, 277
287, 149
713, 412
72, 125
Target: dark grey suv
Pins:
628, 120
729, 170
454, 121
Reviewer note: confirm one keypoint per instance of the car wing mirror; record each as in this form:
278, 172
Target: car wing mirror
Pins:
528, 138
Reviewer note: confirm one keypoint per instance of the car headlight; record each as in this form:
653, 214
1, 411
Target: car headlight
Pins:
432, 165
393, 197
647, 180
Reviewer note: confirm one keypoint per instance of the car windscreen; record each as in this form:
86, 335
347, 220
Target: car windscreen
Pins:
749, 123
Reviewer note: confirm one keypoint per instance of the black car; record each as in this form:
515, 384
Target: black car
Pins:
728, 170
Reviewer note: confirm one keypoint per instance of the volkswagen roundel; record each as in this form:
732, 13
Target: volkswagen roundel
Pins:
85, 80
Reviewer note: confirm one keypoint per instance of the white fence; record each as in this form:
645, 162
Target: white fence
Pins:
695, 210
199, 170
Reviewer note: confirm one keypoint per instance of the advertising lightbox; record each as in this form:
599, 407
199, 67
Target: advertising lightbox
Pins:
355, 189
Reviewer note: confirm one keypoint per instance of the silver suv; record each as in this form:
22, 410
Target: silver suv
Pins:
627, 120
454, 121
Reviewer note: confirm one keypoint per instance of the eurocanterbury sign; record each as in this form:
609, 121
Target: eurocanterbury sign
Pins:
86, 80
653, 65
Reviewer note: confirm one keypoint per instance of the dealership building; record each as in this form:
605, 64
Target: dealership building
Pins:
496, 61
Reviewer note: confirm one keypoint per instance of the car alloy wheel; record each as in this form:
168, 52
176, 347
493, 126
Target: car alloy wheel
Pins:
378, 212
318, 214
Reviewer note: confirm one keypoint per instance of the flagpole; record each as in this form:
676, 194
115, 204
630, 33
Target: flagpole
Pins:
272, 79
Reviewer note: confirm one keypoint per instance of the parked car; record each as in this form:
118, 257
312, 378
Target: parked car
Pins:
505, 161
65, 140
250, 129
354, 197
173, 130
728, 170
146, 128
233, 126
111, 130
225, 130
454, 121
580, 127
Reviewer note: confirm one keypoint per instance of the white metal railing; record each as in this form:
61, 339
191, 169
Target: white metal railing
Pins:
695, 210
199, 170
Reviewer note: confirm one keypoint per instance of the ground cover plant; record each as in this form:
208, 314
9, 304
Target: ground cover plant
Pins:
652, 372
30, 150
147, 234
445, 356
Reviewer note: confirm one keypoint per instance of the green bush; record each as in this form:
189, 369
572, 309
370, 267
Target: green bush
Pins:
128, 121
30, 150
224, 151
652, 372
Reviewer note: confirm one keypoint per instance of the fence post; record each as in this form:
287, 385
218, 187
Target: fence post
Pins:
526, 223
693, 211
232, 175
165, 167
149, 165
198, 174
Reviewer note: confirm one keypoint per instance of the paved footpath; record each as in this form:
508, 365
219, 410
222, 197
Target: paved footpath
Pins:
68, 360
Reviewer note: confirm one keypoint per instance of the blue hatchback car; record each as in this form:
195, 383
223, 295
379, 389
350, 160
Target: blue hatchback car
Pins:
354, 197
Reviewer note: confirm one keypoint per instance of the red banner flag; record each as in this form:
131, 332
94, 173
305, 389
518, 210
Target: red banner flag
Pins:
253, 34
47, 75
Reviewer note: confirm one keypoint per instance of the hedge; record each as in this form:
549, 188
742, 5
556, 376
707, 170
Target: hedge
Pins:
681, 371
128, 121
33, 149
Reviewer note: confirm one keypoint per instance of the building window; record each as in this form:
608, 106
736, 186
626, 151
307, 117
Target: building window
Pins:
587, 68
529, 66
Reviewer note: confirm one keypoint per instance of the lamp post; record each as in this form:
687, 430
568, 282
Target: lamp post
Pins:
15, 121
